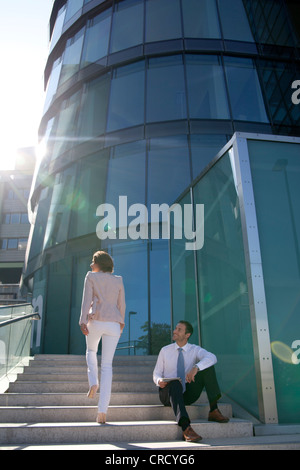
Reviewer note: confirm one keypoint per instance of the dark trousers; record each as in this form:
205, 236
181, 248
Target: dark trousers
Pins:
172, 394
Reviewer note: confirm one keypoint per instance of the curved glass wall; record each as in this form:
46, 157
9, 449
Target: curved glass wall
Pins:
141, 95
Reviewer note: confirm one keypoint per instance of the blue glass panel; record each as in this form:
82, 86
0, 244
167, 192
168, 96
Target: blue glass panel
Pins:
72, 7
128, 25
204, 148
92, 119
166, 97
96, 38
163, 20
206, 88
234, 20
246, 98
71, 57
126, 105
200, 19
168, 163
126, 174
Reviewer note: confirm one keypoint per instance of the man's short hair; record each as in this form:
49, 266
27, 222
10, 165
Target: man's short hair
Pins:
188, 327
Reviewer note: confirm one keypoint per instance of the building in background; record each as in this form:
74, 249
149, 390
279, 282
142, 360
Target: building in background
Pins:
141, 96
14, 224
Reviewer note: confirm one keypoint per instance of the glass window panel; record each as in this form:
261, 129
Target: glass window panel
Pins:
222, 280
275, 170
128, 25
12, 244
71, 57
58, 26
184, 286
159, 295
58, 303
40, 218
132, 264
15, 218
89, 194
206, 88
61, 206
203, 149
96, 38
244, 89
163, 20
4, 244
22, 243
92, 120
63, 131
126, 174
234, 20
72, 8
24, 219
53, 82
200, 19
126, 105
168, 161
166, 97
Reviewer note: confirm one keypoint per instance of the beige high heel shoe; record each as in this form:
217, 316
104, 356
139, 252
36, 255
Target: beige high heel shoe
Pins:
101, 418
92, 391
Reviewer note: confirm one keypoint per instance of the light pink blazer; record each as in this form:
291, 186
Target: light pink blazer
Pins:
103, 298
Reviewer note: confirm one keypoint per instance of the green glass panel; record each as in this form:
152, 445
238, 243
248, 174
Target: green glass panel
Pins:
275, 170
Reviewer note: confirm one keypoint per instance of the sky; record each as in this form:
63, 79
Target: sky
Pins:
24, 45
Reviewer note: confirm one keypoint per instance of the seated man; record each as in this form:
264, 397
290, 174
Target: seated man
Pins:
195, 367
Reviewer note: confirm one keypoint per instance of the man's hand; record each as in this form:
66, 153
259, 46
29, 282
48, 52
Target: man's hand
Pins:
162, 384
190, 376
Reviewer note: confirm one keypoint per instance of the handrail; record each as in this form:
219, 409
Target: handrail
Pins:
36, 316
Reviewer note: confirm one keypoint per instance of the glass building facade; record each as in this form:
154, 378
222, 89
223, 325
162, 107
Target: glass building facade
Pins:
241, 290
140, 97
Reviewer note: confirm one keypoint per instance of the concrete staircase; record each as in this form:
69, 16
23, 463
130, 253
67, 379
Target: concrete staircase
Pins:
47, 408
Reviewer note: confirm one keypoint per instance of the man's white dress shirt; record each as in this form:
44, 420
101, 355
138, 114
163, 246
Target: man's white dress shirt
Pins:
166, 365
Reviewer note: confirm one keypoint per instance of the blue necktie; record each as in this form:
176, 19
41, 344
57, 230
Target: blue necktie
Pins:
181, 368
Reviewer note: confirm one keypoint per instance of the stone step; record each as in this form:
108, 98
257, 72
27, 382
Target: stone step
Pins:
71, 361
75, 377
77, 387
113, 432
77, 399
79, 414
290, 442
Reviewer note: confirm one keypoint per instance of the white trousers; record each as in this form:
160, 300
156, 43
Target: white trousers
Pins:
110, 334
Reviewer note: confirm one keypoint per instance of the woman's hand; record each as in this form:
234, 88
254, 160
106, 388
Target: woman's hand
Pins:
84, 329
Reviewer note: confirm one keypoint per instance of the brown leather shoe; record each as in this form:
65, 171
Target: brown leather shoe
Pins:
217, 416
189, 435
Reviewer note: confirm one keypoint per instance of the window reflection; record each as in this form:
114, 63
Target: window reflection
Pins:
168, 161
60, 208
96, 38
200, 19
92, 120
89, 193
234, 20
203, 149
246, 98
71, 58
128, 25
166, 98
126, 105
206, 88
163, 20
72, 7
126, 173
